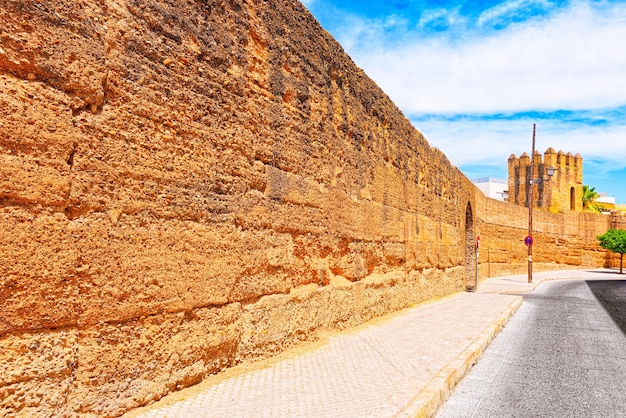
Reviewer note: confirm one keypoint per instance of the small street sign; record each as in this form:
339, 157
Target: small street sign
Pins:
528, 241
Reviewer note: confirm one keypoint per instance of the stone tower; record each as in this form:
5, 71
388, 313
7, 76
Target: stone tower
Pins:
558, 194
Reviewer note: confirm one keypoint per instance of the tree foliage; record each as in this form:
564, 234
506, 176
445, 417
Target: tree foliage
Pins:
614, 240
589, 199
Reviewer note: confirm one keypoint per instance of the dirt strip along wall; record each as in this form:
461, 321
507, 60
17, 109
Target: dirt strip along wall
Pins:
560, 241
188, 185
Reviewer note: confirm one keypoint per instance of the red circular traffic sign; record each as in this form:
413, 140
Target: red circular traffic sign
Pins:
528, 241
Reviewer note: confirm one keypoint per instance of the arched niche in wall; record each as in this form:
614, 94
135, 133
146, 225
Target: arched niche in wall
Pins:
470, 251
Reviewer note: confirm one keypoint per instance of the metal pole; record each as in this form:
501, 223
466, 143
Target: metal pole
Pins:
530, 210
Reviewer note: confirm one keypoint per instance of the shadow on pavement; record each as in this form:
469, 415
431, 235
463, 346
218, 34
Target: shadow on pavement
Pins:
612, 295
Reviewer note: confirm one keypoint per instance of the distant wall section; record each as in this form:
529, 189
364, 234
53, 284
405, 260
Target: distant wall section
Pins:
561, 241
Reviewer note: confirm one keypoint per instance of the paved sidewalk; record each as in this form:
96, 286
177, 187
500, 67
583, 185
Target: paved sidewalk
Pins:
403, 367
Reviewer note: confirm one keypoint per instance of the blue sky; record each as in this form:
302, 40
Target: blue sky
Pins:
473, 76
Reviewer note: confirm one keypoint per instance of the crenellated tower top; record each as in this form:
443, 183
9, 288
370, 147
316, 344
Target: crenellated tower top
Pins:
560, 193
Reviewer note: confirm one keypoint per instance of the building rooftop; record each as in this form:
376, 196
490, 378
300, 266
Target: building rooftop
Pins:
489, 180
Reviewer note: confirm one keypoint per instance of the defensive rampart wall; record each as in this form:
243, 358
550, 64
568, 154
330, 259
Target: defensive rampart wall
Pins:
189, 185
561, 241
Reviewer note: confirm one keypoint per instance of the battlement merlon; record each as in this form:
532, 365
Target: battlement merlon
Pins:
578, 164
550, 158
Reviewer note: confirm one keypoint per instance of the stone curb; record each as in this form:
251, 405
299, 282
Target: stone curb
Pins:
431, 398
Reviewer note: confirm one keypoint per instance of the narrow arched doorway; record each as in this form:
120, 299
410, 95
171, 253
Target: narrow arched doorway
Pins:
470, 253
572, 199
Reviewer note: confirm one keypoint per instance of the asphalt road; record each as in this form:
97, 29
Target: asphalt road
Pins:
563, 354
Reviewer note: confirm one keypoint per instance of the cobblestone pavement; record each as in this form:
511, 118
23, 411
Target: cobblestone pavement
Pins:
403, 367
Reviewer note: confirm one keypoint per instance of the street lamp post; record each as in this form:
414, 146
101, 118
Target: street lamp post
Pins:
529, 239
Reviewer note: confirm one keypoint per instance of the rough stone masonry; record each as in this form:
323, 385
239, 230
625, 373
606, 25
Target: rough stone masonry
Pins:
188, 185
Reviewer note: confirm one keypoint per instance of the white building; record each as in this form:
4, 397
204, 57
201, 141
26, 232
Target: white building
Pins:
605, 198
494, 188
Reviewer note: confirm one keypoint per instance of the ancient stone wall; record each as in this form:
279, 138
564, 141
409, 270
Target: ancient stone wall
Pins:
561, 241
617, 220
188, 185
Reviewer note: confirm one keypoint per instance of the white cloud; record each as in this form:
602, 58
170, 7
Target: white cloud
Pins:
573, 60
440, 17
489, 143
569, 59
503, 12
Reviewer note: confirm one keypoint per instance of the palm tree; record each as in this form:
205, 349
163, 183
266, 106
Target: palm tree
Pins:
589, 199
